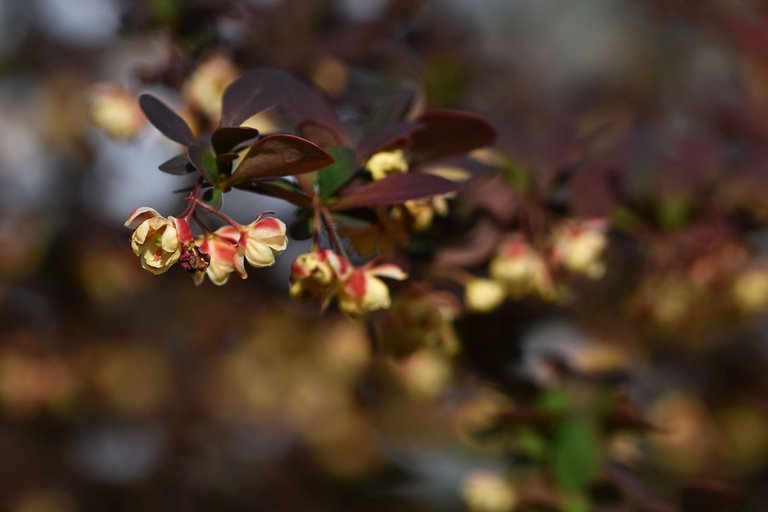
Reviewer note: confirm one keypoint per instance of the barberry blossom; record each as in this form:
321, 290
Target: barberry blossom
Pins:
521, 270
384, 163
314, 274
579, 246
157, 241
114, 110
362, 291
257, 242
222, 250
483, 295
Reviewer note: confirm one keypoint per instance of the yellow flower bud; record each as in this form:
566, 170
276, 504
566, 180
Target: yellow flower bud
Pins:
483, 295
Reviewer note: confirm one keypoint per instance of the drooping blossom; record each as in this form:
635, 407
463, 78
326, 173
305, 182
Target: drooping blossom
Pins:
158, 241
384, 163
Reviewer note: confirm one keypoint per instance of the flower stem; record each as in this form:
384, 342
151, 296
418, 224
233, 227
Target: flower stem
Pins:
229, 220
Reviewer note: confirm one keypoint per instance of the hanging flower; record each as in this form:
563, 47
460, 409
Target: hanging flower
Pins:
362, 291
314, 274
222, 250
157, 241
521, 270
257, 242
579, 247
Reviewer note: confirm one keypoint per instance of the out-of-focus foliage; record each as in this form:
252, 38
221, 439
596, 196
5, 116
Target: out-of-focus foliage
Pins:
583, 325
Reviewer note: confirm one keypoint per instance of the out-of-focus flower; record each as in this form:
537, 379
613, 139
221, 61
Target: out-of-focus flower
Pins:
420, 317
483, 295
750, 290
363, 291
422, 211
221, 250
579, 246
358, 290
384, 163
115, 111
521, 270
157, 241
205, 87
313, 274
425, 373
488, 491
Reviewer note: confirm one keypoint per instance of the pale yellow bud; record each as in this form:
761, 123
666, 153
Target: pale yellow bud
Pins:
487, 491
483, 295
750, 290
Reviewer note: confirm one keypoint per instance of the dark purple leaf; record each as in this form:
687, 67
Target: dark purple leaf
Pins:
224, 163
254, 92
385, 138
166, 120
448, 133
309, 105
280, 155
395, 189
226, 139
279, 189
178, 165
318, 133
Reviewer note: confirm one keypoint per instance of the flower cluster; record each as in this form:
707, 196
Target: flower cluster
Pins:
160, 242
323, 274
519, 269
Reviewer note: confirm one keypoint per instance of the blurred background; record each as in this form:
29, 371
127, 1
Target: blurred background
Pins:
123, 391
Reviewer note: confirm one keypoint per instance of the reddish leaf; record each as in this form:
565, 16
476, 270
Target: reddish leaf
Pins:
396, 189
166, 120
279, 189
178, 165
253, 93
280, 155
384, 138
449, 133
318, 133
226, 139
309, 105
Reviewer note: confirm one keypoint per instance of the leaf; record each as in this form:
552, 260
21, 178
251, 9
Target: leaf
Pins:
254, 92
449, 133
317, 132
280, 155
213, 197
226, 139
384, 138
166, 120
309, 105
224, 163
204, 161
395, 189
280, 189
332, 178
576, 456
178, 165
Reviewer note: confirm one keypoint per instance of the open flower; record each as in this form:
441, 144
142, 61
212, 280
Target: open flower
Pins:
257, 242
362, 291
157, 241
222, 251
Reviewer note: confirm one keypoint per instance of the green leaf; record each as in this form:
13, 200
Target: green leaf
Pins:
576, 454
204, 161
331, 178
212, 196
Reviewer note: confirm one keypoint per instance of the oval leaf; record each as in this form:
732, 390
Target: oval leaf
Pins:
384, 138
226, 139
280, 155
449, 133
332, 178
396, 189
166, 120
178, 165
254, 92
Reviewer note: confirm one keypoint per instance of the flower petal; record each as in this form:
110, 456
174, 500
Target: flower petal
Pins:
139, 215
